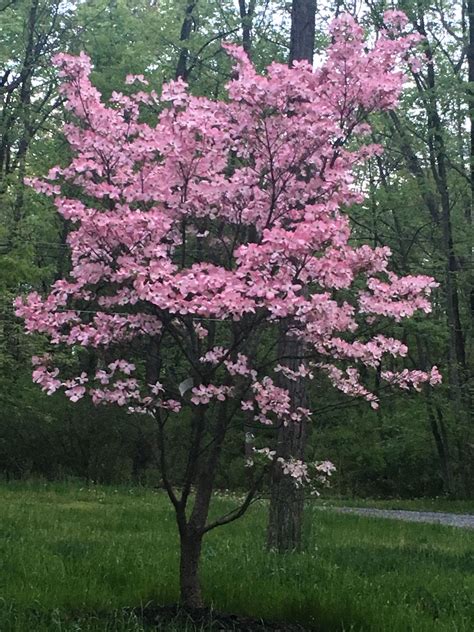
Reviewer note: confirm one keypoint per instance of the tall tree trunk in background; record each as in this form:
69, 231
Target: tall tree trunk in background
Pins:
25, 114
470, 96
436, 422
285, 520
186, 28
303, 21
246, 18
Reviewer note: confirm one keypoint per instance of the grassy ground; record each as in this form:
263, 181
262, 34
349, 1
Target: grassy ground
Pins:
73, 559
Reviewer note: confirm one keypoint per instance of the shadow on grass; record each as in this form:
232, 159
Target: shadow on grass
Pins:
158, 618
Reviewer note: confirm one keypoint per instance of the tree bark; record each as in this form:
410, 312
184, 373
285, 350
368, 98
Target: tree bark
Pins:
303, 21
193, 526
246, 18
470, 63
25, 105
470, 95
190, 553
191, 531
439, 434
285, 520
186, 28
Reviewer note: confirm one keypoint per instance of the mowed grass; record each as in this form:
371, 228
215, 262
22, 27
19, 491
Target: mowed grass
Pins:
74, 559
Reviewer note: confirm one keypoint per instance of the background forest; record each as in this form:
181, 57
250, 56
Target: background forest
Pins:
419, 203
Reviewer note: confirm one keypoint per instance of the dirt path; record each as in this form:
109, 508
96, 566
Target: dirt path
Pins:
464, 521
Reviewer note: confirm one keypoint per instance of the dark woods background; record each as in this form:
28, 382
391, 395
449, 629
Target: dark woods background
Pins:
420, 197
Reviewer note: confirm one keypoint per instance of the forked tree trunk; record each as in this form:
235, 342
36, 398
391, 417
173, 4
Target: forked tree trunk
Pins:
191, 533
192, 529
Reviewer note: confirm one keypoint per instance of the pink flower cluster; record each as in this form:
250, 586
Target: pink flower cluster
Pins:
348, 382
302, 372
413, 379
399, 297
203, 393
296, 469
240, 367
274, 404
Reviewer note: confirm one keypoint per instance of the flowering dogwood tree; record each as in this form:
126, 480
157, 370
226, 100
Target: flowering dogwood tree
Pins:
207, 234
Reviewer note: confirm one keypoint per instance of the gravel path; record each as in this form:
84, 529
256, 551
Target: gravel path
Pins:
465, 521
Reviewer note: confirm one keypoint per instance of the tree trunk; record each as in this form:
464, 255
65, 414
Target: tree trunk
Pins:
192, 530
303, 20
25, 102
470, 96
246, 18
285, 521
439, 168
439, 435
190, 553
186, 28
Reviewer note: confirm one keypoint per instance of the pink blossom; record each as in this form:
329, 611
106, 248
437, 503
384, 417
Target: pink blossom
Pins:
201, 332
413, 379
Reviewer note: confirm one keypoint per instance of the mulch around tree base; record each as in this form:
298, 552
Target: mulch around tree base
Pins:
212, 620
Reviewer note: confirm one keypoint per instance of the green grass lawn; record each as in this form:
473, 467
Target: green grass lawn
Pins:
74, 559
